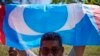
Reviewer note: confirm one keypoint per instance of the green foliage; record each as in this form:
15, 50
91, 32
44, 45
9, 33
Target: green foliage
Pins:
92, 2
63, 1
55, 1
97, 2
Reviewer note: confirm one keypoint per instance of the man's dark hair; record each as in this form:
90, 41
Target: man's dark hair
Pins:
51, 36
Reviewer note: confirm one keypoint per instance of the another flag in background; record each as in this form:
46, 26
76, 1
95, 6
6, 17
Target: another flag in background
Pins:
2, 12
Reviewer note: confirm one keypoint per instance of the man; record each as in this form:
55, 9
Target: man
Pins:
51, 45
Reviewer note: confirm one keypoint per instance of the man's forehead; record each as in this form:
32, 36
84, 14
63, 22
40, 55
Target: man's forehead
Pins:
50, 43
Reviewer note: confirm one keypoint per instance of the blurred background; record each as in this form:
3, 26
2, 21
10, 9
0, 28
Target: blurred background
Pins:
89, 50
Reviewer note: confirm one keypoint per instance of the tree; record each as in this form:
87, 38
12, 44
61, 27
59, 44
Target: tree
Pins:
92, 2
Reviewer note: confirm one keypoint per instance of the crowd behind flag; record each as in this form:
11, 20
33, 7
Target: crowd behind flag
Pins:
21, 26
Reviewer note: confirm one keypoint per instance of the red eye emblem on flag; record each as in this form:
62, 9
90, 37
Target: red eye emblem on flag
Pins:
2, 12
96, 11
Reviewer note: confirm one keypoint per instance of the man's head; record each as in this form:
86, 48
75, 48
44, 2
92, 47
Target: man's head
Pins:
51, 45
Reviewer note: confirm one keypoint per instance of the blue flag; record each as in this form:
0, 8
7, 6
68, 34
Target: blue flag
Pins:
25, 24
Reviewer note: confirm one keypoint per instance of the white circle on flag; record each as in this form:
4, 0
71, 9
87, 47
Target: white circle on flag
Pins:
17, 23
